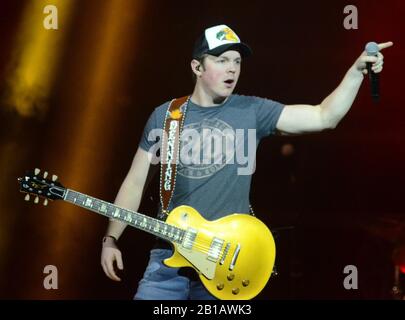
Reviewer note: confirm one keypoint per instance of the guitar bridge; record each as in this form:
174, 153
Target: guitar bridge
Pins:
234, 258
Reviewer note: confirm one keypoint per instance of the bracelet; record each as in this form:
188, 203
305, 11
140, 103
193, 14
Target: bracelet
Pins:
108, 236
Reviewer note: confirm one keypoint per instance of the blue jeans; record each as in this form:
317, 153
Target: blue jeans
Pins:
160, 282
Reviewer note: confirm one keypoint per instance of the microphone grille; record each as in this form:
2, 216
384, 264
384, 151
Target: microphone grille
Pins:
372, 48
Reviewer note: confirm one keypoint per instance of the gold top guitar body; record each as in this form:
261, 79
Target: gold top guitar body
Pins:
234, 255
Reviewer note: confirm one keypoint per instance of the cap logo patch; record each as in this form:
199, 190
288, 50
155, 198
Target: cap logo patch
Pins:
227, 34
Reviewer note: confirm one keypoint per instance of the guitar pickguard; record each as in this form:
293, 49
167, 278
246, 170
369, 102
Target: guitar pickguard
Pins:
199, 260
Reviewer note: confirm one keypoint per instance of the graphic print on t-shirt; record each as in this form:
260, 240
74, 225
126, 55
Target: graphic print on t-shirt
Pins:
205, 148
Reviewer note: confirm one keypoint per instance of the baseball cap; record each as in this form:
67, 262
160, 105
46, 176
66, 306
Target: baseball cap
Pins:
218, 39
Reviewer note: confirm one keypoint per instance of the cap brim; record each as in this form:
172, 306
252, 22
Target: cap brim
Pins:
242, 48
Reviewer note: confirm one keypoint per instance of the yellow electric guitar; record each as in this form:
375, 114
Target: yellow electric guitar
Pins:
233, 256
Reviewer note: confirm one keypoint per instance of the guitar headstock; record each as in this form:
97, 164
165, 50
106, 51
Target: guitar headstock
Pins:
35, 183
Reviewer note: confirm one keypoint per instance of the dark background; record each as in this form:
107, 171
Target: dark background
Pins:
335, 201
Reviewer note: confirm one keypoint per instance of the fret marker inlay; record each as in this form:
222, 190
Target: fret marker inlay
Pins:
103, 208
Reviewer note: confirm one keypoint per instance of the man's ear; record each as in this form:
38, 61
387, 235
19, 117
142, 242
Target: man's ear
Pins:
196, 67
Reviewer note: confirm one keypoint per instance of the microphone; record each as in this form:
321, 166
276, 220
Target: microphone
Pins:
372, 50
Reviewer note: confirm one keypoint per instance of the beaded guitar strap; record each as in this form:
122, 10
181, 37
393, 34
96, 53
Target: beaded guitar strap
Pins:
172, 128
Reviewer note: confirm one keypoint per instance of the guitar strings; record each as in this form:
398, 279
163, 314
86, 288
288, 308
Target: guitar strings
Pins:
203, 246
206, 249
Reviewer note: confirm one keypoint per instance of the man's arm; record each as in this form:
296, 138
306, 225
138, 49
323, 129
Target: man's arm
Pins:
296, 119
129, 197
130, 193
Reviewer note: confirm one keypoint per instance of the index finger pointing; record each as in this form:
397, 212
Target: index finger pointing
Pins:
385, 45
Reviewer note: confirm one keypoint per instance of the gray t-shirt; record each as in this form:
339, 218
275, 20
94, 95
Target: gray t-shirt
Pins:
217, 152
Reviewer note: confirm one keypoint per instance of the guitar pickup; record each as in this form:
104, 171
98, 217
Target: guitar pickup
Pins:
189, 238
225, 253
215, 249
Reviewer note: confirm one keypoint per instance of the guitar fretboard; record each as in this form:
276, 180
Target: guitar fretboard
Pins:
135, 219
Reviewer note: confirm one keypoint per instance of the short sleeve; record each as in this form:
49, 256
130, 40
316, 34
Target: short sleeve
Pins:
150, 135
267, 114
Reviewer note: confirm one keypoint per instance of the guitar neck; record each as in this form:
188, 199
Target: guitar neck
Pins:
132, 218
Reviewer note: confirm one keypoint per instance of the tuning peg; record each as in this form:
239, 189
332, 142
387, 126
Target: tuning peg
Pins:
45, 174
45, 202
36, 200
27, 197
54, 177
37, 171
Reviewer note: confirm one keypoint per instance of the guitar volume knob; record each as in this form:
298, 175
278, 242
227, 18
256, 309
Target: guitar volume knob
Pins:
220, 286
230, 276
